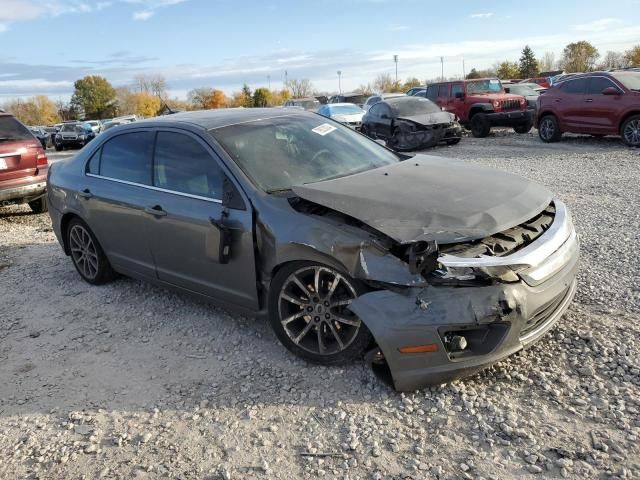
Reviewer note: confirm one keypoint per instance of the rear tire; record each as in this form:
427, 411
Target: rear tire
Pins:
39, 205
630, 131
549, 129
308, 311
454, 141
480, 126
87, 254
59, 148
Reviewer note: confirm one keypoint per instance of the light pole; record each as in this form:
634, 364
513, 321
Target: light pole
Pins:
269, 80
442, 64
286, 81
395, 60
339, 81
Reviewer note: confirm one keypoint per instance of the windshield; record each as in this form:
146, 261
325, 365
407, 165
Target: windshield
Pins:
278, 153
345, 110
410, 106
522, 90
631, 80
357, 99
307, 104
492, 85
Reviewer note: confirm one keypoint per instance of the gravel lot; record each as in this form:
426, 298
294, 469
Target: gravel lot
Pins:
132, 381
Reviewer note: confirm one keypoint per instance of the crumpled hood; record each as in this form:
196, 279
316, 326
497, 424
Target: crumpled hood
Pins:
430, 118
432, 198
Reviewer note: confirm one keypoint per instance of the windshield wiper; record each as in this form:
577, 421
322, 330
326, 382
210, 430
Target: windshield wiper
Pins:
279, 190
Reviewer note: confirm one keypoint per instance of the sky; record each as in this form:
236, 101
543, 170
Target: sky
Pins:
45, 45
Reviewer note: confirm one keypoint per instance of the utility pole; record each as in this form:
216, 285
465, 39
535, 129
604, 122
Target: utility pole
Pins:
464, 73
339, 81
395, 60
269, 80
286, 81
442, 65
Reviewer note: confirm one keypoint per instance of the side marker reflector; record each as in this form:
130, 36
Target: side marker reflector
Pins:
429, 348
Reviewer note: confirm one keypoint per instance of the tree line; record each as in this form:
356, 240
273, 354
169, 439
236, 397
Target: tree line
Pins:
95, 98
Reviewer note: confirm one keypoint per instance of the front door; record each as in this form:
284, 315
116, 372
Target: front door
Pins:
602, 112
188, 182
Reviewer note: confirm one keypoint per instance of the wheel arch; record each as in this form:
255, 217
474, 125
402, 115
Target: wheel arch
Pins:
64, 225
626, 117
543, 114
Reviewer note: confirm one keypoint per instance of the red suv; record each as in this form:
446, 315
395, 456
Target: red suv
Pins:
598, 103
481, 104
23, 166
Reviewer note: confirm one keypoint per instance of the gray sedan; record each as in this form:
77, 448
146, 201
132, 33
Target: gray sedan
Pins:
430, 269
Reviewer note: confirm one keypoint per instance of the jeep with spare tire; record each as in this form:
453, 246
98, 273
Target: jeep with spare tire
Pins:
481, 104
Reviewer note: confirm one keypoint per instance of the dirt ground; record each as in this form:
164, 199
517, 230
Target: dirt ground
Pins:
130, 380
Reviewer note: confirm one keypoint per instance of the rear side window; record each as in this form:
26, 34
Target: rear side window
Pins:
11, 129
182, 164
443, 91
128, 157
93, 166
576, 87
456, 88
432, 92
598, 84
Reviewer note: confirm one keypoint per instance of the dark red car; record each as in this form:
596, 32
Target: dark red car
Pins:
597, 103
23, 166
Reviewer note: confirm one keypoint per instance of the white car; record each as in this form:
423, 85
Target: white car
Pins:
345, 113
96, 125
379, 97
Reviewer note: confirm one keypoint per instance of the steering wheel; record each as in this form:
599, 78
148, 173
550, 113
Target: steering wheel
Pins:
324, 151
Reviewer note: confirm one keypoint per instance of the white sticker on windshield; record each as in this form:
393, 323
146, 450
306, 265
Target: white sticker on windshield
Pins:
323, 129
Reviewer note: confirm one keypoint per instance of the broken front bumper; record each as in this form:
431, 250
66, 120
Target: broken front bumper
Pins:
495, 320
510, 119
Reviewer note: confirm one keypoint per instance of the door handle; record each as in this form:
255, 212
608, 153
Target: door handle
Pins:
556, 100
156, 211
86, 193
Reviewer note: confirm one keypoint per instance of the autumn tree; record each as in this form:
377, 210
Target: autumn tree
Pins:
200, 98
528, 66
385, 84
411, 83
278, 97
38, 110
632, 56
146, 104
155, 85
579, 57
261, 97
300, 88
507, 70
66, 111
95, 96
217, 99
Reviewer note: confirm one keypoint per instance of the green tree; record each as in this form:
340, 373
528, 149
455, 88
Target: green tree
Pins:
95, 96
261, 97
528, 64
507, 70
473, 74
579, 57
246, 98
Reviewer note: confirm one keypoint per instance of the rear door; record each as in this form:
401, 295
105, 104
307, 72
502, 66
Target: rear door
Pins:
455, 105
602, 112
19, 150
570, 104
114, 197
188, 180
443, 95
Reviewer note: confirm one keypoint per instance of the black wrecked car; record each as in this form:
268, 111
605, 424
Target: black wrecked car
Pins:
433, 268
410, 123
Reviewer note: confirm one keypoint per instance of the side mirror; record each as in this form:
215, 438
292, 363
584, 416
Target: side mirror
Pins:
611, 91
460, 95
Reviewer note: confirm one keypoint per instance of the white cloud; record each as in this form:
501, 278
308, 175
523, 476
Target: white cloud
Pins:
34, 84
398, 28
16, 10
597, 25
143, 15
482, 15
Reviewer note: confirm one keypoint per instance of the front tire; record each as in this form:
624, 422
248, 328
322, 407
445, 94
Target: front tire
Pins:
480, 126
549, 129
39, 205
308, 310
522, 129
87, 254
59, 148
630, 131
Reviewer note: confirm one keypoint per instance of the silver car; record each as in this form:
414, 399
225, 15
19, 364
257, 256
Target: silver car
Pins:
429, 268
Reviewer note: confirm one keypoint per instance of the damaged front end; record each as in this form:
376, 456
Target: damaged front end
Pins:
483, 301
412, 135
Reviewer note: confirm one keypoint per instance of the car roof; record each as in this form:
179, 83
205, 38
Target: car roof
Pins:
341, 104
210, 119
405, 98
